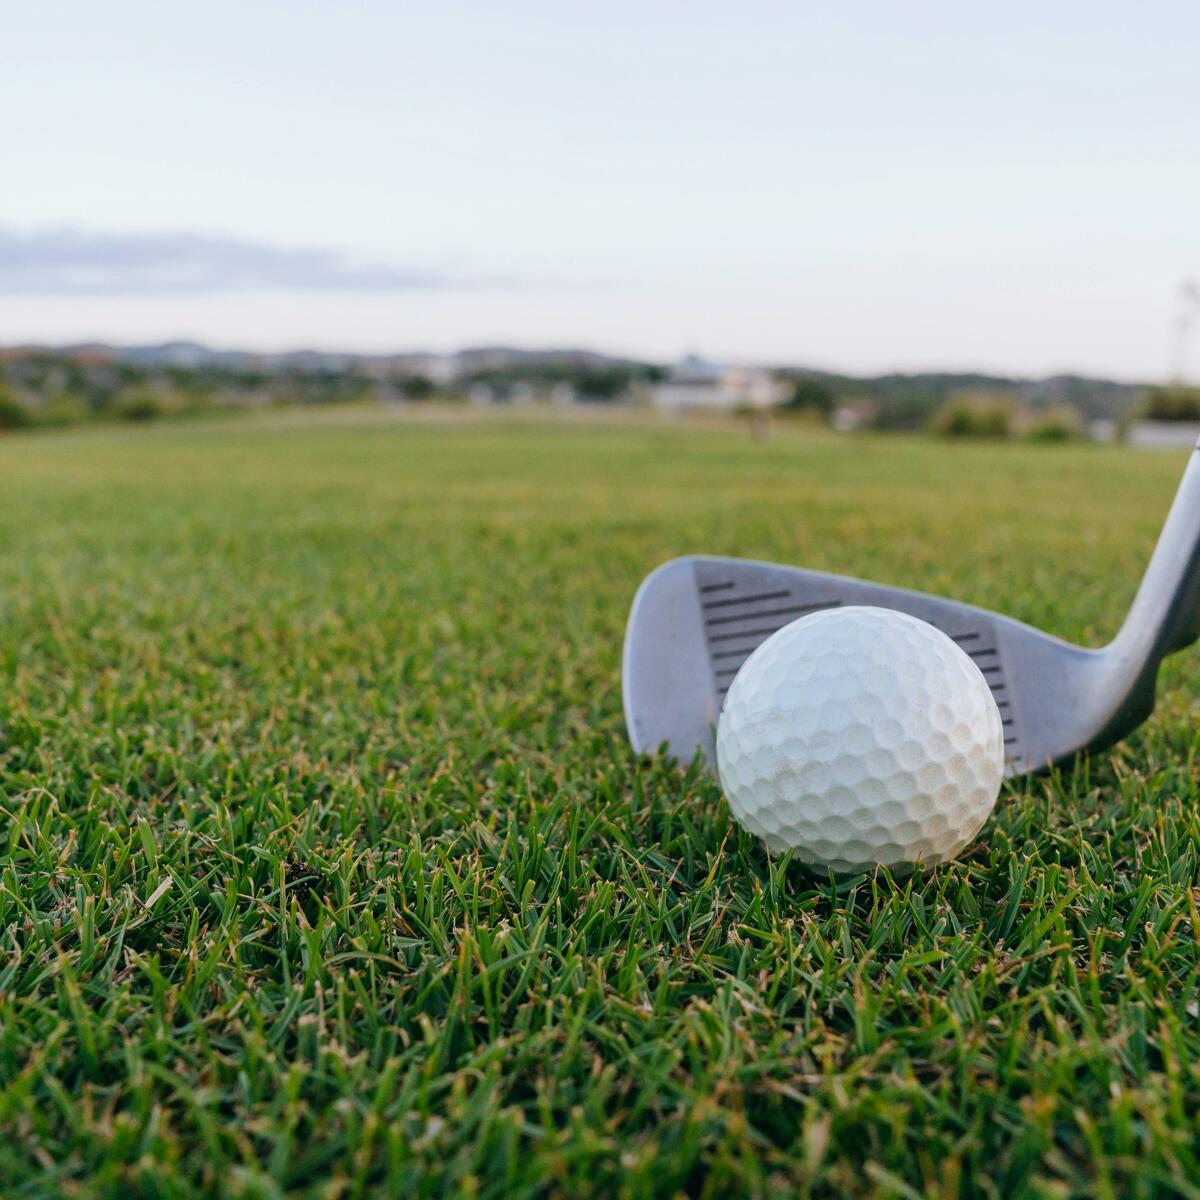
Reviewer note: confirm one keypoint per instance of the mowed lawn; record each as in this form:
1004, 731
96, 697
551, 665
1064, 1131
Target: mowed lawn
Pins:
328, 872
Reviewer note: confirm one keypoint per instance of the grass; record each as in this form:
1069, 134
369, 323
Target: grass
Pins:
327, 871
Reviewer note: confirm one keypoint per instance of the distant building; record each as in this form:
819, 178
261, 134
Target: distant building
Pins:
517, 394
852, 415
90, 356
695, 383
1103, 429
441, 368
1153, 434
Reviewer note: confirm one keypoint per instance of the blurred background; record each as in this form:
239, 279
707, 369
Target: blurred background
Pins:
980, 220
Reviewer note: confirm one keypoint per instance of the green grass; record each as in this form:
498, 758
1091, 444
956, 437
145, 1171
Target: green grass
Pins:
327, 870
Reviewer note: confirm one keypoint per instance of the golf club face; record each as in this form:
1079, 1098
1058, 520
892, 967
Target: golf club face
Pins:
695, 620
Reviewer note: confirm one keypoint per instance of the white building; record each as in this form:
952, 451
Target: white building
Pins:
694, 383
517, 394
853, 415
1155, 434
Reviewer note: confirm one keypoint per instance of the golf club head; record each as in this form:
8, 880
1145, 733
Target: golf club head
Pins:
695, 620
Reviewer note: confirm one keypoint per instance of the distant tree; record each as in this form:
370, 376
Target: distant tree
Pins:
603, 384
418, 387
1058, 424
811, 395
67, 408
1175, 403
13, 414
130, 374
966, 417
905, 406
139, 405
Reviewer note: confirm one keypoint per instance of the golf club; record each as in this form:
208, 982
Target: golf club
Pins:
695, 620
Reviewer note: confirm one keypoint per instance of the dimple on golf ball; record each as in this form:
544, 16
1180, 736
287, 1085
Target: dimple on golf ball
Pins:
861, 736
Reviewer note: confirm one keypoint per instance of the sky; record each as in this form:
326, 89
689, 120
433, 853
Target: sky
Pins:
862, 187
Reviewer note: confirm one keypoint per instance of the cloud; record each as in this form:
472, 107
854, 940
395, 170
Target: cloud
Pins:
80, 262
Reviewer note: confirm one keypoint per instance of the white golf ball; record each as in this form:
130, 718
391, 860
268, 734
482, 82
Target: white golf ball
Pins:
861, 736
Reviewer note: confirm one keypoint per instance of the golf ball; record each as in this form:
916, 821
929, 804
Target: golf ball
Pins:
861, 736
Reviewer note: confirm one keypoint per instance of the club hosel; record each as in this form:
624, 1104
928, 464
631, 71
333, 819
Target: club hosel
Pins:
1165, 614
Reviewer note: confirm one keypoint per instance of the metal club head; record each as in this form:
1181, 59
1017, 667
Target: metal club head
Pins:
695, 620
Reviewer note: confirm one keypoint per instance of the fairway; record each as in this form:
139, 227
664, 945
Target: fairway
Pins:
328, 872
